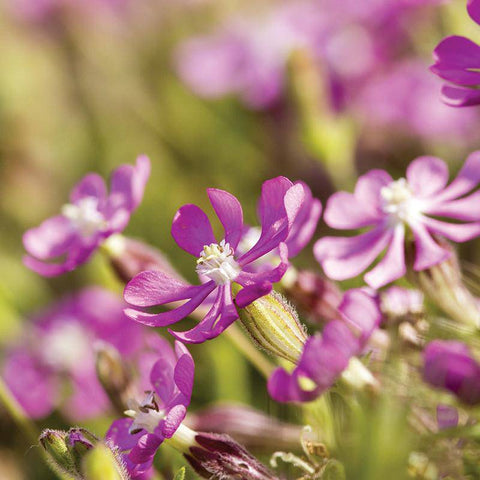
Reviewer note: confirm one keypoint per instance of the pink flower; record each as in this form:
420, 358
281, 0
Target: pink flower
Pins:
219, 264
62, 243
326, 355
391, 207
160, 413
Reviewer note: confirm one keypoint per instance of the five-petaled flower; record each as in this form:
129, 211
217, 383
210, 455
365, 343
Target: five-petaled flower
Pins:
219, 264
63, 242
159, 415
389, 207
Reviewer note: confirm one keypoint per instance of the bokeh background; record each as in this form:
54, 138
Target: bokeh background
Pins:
216, 93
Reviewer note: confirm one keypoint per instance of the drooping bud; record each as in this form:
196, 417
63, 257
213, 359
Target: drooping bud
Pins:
129, 257
318, 297
102, 463
443, 284
114, 376
274, 326
219, 456
251, 427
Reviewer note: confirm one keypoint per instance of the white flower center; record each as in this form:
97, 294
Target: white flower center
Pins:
399, 202
146, 415
217, 263
85, 216
66, 347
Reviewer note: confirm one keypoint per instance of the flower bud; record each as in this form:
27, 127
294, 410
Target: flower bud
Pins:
274, 326
101, 463
114, 376
219, 456
79, 441
129, 257
318, 297
53, 442
251, 427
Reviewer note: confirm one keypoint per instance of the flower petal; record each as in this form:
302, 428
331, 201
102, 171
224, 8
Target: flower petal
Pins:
458, 232
172, 420
172, 316
91, 185
250, 293
345, 211
427, 175
456, 57
145, 448
460, 96
427, 251
392, 266
473, 9
229, 211
191, 229
156, 288
346, 257
466, 208
368, 188
51, 238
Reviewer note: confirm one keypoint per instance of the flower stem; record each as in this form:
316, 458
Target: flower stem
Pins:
17, 413
243, 344
25, 424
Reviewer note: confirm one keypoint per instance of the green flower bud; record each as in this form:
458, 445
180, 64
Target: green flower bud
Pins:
274, 326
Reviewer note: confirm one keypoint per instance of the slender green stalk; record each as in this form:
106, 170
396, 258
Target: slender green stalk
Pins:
252, 354
25, 424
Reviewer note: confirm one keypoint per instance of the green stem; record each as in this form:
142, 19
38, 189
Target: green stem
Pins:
244, 345
26, 425
17, 413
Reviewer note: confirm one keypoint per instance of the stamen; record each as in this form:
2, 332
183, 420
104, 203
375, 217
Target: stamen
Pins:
399, 201
85, 216
217, 263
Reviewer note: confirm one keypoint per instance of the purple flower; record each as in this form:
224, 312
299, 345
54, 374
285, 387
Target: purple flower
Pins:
158, 416
327, 355
457, 60
448, 364
388, 207
401, 303
60, 344
415, 108
65, 241
218, 263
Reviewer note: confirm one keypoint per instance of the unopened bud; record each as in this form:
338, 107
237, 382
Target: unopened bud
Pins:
129, 257
251, 427
443, 284
114, 376
318, 297
101, 463
79, 441
219, 456
274, 326
53, 442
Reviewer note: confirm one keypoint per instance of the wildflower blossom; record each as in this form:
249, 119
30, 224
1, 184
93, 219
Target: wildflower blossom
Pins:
218, 263
160, 414
61, 344
389, 207
62, 243
448, 364
457, 60
325, 356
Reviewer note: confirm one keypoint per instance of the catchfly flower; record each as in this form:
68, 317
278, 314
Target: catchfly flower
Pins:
219, 264
63, 242
327, 355
58, 351
159, 415
457, 60
394, 208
